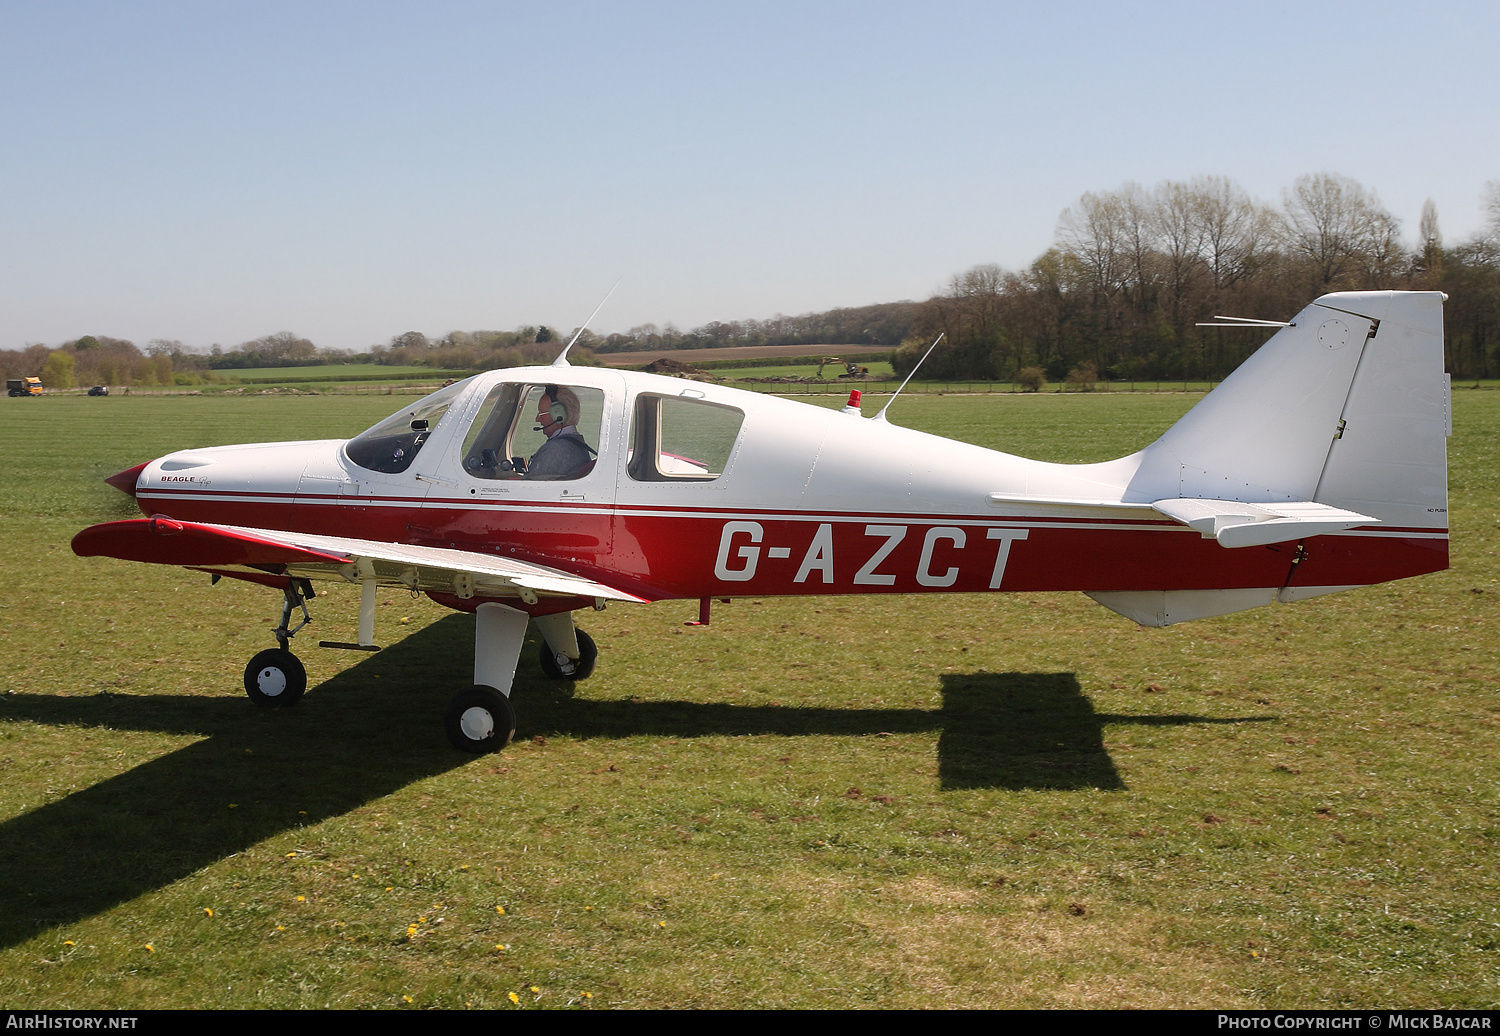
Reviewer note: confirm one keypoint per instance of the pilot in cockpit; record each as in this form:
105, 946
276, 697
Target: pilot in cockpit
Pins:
565, 454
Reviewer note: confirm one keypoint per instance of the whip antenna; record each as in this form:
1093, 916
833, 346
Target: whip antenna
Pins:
881, 416
562, 357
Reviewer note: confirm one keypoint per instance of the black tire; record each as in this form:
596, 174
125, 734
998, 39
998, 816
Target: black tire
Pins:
564, 668
275, 679
480, 720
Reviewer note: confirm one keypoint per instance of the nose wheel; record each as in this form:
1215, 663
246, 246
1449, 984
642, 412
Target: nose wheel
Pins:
275, 679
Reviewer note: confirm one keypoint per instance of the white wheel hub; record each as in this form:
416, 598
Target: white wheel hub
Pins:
271, 681
477, 724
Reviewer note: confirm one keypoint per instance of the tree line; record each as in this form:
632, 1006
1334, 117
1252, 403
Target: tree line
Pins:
1133, 272
1120, 295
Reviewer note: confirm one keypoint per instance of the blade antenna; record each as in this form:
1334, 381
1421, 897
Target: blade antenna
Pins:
881, 416
562, 357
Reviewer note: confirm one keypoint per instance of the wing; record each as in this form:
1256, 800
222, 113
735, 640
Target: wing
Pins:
255, 553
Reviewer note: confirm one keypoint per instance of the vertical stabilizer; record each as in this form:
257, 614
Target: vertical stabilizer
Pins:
1337, 427
1346, 406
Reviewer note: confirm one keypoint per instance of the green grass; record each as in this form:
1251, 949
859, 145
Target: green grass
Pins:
890, 802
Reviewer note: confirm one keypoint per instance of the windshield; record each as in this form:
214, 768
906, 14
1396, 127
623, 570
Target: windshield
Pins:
393, 444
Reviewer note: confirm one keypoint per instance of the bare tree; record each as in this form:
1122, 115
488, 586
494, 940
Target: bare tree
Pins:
1138, 211
1488, 241
1339, 229
1095, 235
1180, 234
1235, 229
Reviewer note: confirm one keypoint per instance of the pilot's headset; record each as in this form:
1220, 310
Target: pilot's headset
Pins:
559, 411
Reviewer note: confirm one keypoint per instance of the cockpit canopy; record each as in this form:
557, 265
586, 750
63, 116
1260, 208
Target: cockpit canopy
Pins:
508, 434
394, 443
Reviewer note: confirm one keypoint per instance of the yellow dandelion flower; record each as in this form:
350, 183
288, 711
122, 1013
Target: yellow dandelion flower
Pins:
513, 998
290, 855
389, 889
150, 948
534, 989
588, 996
587, 909
500, 910
234, 805
302, 899
661, 924
209, 911
68, 942
407, 999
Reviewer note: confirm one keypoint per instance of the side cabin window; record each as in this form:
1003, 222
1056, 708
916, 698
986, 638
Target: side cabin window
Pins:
394, 443
516, 436
681, 440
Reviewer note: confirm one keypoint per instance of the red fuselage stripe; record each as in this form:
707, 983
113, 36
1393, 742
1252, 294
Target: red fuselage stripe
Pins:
695, 552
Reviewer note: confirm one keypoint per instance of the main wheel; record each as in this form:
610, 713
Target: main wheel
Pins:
480, 720
275, 679
557, 666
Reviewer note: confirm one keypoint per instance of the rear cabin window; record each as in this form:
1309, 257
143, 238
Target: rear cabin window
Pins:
681, 440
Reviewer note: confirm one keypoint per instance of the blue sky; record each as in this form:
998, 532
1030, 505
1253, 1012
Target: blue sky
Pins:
213, 172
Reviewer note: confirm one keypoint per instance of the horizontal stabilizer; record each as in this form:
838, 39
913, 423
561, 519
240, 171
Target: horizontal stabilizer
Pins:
1236, 524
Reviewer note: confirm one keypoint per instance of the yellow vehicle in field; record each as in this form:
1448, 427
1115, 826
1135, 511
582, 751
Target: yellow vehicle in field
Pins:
24, 386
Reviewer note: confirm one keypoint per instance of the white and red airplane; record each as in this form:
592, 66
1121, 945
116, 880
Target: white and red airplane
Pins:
1319, 465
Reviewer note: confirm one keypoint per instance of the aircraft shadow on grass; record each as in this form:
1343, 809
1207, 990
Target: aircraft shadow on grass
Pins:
259, 773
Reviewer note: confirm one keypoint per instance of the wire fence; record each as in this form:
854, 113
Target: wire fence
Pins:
825, 388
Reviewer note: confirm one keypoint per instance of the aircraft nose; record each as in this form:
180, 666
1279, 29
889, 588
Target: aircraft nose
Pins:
125, 481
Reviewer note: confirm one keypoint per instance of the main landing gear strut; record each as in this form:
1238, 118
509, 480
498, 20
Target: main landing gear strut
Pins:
480, 719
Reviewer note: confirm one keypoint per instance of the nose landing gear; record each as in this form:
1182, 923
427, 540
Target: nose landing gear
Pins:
276, 678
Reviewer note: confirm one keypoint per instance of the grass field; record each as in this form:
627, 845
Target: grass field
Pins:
937, 801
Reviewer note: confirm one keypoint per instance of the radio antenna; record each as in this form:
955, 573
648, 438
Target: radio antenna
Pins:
562, 357
881, 416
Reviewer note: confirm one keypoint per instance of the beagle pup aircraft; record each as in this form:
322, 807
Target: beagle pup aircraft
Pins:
1319, 465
